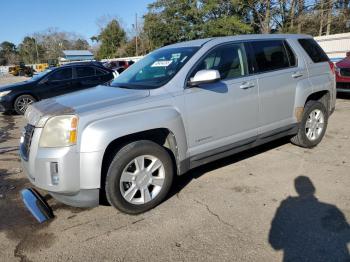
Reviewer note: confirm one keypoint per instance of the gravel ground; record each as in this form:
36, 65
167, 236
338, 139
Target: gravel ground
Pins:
255, 206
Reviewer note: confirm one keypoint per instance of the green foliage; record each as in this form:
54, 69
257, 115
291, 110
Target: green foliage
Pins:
170, 21
30, 51
81, 44
8, 53
111, 38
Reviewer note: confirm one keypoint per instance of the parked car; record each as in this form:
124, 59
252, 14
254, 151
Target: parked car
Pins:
342, 69
52, 82
118, 66
180, 107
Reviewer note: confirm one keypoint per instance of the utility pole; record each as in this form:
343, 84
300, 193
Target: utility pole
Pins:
136, 36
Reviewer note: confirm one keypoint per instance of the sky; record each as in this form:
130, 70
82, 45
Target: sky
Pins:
19, 18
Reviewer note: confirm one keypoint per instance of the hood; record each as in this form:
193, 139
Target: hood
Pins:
15, 86
82, 102
345, 63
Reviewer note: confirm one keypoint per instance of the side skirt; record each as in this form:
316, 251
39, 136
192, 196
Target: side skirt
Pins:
215, 154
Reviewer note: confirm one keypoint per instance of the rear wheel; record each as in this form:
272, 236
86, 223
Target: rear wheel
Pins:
139, 177
22, 102
312, 126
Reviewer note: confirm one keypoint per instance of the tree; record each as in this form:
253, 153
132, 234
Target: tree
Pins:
8, 53
81, 44
170, 21
31, 51
111, 38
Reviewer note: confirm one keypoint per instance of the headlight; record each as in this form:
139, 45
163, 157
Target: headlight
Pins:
4, 93
59, 131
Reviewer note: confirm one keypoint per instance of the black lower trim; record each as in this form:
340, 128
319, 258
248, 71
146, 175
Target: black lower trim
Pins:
237, 147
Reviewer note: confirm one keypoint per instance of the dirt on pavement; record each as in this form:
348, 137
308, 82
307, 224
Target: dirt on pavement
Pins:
275, 202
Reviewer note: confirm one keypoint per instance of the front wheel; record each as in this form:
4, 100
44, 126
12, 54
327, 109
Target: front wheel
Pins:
312, 126
139, 177
22, 102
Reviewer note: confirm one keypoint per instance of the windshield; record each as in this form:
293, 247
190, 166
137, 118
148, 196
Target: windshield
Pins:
156, 69
40, 75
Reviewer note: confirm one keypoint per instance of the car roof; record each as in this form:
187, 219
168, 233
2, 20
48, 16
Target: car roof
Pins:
201, 42
90, 63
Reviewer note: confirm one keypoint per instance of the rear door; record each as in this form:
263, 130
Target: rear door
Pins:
225, 112
278, 72
318, 63
85, 77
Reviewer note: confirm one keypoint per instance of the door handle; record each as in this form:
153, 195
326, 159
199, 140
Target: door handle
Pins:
246, 85
297, 74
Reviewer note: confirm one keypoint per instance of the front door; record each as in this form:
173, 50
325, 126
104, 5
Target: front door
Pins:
225, 112
58, 83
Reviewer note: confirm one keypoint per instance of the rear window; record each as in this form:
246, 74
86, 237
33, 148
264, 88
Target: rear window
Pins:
272, 55
85, 71
314, 51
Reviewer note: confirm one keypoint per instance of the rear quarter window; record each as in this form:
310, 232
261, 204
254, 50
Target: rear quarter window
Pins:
314, 51
100, 72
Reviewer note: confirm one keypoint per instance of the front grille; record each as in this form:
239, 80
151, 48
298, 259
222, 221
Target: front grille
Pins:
27, 140
345, 72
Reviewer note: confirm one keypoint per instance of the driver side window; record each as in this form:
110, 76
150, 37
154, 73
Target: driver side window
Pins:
61, 74
230, 60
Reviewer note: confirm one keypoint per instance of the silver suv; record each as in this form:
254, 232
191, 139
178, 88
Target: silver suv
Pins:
181, 106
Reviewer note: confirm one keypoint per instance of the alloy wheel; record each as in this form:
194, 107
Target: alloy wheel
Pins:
142, 179
314, 125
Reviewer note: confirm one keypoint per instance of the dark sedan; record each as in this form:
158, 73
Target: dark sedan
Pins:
53, 82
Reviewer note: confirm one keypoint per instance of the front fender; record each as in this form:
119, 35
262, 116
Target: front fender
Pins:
97, 135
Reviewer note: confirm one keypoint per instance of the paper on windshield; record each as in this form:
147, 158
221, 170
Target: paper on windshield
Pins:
163, 63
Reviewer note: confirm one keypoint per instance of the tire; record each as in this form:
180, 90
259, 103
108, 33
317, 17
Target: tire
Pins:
302, 138
124, 162
22, 102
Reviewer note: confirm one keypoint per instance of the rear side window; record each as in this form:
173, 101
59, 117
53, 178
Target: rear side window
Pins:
272, 55
314, 51
230, 60
85, 71
62, 74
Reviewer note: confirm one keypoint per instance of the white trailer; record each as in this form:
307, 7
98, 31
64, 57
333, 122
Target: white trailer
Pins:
336, 46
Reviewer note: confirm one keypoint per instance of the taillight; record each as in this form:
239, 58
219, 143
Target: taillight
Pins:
332, 66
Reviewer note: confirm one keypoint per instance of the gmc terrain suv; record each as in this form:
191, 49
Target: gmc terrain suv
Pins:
179, 107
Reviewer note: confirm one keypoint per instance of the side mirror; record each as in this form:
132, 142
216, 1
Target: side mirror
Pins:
44, 81
348, 54
205, 77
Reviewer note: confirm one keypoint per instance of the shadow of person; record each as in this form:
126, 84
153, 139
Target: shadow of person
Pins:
309, 230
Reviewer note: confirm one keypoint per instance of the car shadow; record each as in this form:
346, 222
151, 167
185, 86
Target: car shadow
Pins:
182, 181
307, 229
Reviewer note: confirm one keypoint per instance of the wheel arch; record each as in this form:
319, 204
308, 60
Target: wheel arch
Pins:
305, 93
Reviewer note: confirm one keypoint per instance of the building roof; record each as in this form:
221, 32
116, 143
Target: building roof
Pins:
77, 53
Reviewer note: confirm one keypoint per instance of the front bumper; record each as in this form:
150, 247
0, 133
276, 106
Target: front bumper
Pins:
5, 105
57, 170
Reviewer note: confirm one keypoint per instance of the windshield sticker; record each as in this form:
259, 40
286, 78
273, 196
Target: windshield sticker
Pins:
163, 63
176, 56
